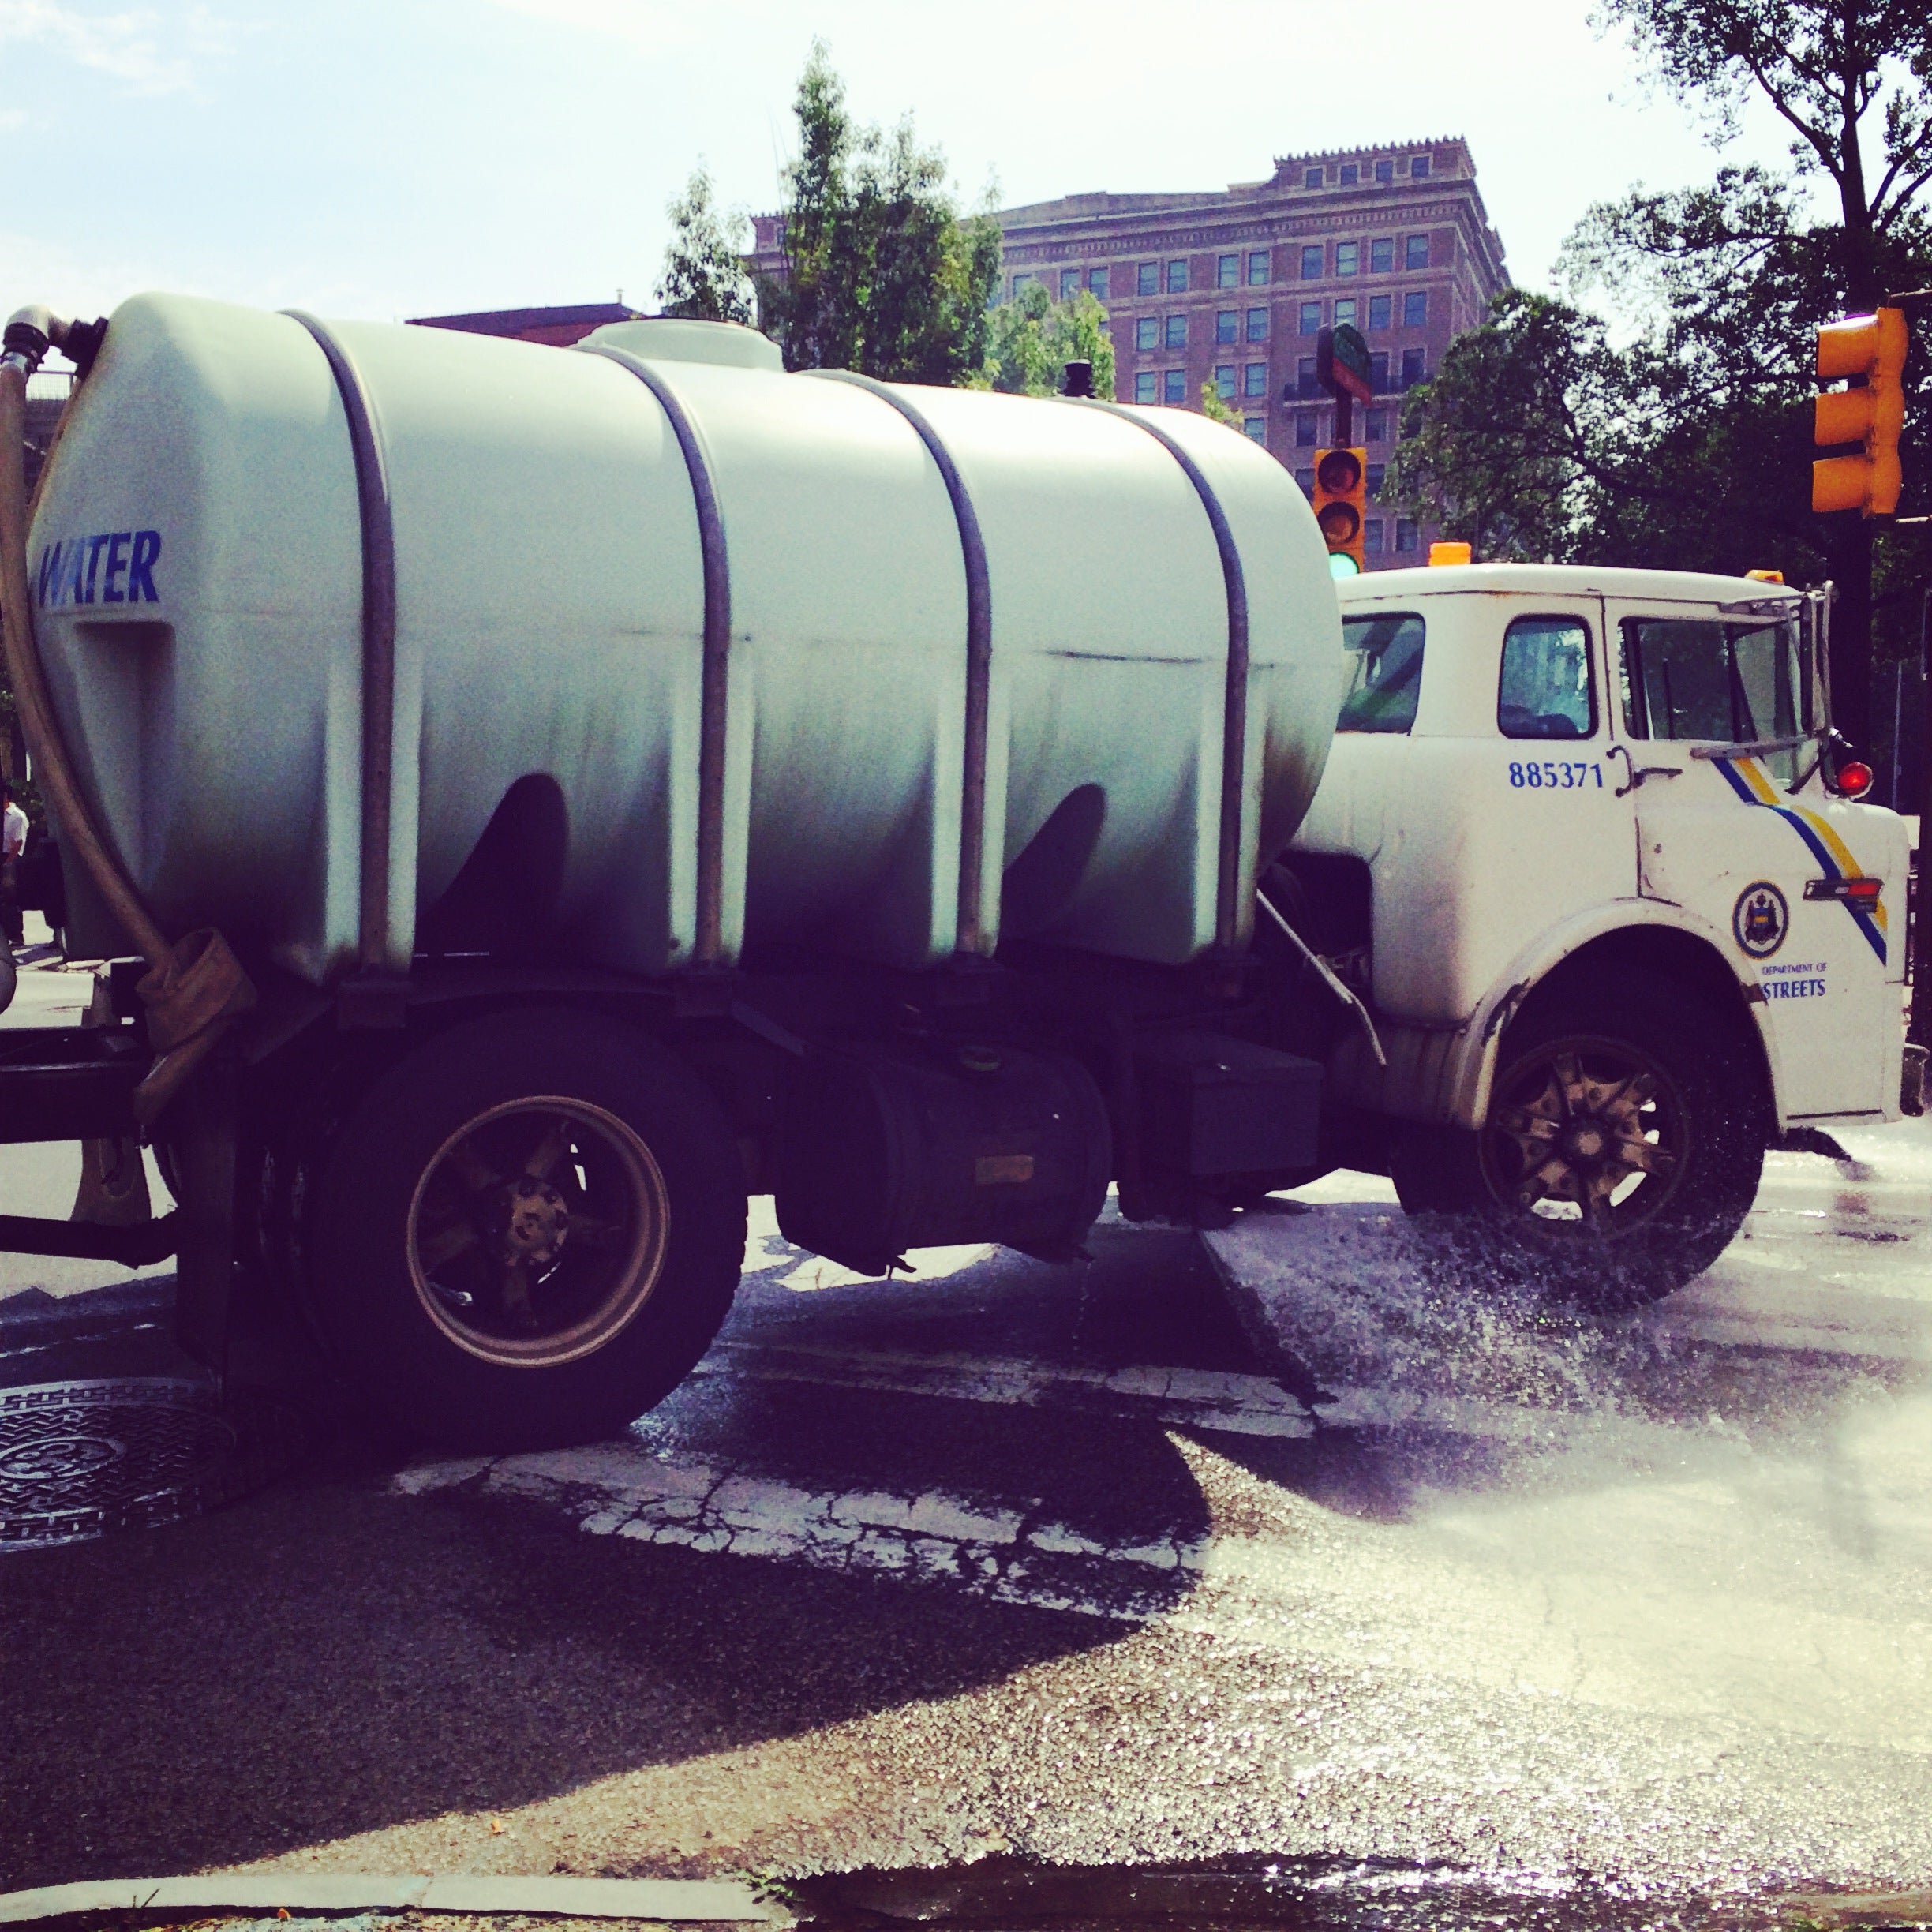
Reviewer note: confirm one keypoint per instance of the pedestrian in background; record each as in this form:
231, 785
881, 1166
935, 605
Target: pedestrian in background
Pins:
12, 843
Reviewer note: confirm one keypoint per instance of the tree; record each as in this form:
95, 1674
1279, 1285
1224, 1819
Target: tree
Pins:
704, 276
881, 275
1689, 443
1216, 410
1034, 337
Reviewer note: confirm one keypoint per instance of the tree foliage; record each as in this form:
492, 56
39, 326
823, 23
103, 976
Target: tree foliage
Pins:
1033, 339
704, 276
1683, 437
1214, 409
882, 275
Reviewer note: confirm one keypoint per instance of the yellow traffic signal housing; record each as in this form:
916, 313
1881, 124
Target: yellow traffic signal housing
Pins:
1872, 346
1340, 503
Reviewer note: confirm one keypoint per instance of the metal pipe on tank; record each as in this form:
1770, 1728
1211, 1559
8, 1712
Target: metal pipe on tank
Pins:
714, 700
978, 657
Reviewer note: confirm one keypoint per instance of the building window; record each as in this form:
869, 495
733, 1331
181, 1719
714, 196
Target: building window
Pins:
1019, 282
1385, 171
1144, 386
1257, 325
1147, 278
1147, 334
1174, 386
1378, 425
1419, 167
1378, 311
1415, 308
1097, 282
1376, 473
1258, 267
1311, 177
1350, 173
1372, 536
1254, 379
1311, 317
1308, 432
1415, 251
1177, 331
1255, 428
1378, 372
1348, 255
1224, 382
1227, 271
1311, 261
1345, 312
1405, 534
1382, 256
1306, 384
1306, 479
1412, 367
1177, 278
1069, 283
1226, 326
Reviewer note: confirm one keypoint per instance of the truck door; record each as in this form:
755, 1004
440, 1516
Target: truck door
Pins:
1510, 819
1734, 825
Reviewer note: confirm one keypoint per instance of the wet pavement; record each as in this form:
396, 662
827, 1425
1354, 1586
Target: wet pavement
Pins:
1447, 1609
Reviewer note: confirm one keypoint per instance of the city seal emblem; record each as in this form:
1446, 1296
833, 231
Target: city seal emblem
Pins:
1760, 919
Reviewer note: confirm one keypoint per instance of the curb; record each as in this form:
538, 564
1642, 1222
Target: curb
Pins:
675, 1901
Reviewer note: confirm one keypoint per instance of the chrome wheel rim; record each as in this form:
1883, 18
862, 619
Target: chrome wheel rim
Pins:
537, 1231
1585, 1135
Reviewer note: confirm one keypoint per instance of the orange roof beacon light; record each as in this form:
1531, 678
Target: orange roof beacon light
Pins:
1765, 576
1870, 350
1442, 554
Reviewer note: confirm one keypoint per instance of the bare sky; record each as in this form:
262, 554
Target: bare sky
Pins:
388, 158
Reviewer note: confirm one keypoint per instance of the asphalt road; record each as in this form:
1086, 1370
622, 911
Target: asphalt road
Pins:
1440, 1605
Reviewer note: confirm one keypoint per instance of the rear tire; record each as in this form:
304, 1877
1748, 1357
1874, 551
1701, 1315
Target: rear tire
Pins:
1624, 1148
527, 1232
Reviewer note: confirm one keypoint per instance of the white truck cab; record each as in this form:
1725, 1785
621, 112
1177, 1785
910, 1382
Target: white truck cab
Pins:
1623, 933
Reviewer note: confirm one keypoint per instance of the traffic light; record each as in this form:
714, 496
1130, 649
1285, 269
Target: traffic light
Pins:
1341, 502
1872, 346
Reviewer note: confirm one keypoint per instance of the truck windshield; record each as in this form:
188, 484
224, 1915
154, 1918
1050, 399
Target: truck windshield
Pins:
1384, 654
1718, 683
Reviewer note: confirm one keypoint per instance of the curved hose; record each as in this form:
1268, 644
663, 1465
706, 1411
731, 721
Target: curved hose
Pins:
194, 986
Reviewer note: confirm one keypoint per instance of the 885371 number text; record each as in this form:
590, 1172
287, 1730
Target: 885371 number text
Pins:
1554, 774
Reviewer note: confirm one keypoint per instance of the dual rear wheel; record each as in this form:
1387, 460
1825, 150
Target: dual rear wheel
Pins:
527, 1232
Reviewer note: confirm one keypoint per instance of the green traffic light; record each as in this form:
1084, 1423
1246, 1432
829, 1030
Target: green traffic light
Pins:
1342, 564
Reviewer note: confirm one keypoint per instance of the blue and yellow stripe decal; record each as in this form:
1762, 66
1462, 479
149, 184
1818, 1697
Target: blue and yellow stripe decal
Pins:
1749, 782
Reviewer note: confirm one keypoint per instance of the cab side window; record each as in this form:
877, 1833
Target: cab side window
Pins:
1384, 655
1546, 689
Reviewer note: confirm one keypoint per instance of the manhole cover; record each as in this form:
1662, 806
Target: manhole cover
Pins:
83, 1459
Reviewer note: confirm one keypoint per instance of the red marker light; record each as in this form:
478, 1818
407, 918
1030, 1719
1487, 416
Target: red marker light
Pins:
1864, 889
1855, 779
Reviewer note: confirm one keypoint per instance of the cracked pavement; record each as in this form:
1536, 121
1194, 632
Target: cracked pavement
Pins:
1415, 1591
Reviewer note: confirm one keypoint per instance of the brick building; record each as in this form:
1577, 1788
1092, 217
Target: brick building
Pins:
1231, 287
558, 326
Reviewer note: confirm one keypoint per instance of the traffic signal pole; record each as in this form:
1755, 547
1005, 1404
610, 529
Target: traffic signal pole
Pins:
1918, 1023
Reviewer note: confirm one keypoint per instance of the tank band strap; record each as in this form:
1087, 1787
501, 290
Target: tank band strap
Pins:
1234, 712
378, 636
970, 936
715, 686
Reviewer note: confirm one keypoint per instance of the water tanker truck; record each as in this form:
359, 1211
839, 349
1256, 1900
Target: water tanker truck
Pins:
529, 800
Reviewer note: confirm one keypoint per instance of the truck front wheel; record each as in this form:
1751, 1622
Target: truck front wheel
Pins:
528, 1232
1622, 1149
